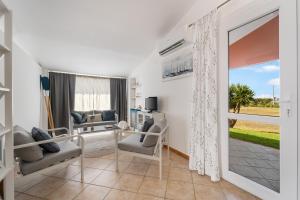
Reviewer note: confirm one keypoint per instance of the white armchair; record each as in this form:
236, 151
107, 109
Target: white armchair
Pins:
132, 145
68, 152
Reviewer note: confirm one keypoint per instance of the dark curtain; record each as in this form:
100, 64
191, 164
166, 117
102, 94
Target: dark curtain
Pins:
62, 96
118, 97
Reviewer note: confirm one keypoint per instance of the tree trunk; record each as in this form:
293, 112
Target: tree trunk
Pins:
232, 122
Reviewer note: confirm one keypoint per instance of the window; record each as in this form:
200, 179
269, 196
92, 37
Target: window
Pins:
92, 93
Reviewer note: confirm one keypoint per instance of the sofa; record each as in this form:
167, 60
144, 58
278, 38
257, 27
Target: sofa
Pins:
93, 118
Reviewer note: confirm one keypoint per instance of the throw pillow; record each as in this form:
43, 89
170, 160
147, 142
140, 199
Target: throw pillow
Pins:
147, 124
151, 140
77, 117
108, 115
29, 154
40, 135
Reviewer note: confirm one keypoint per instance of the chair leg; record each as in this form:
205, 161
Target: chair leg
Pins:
82, 168
160, 160
116, 150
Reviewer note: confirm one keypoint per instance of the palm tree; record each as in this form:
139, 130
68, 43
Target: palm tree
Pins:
239, 95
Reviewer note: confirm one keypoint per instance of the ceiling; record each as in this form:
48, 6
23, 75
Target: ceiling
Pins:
107, 37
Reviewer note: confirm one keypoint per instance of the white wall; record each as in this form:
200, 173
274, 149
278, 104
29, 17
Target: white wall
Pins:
175, 97
26, 89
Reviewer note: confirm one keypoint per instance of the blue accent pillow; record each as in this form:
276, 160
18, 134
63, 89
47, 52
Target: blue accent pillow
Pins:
146, 126
40, 135
108, 115
77, 117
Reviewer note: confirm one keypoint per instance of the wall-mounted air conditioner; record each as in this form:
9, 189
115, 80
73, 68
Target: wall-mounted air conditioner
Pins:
174, 41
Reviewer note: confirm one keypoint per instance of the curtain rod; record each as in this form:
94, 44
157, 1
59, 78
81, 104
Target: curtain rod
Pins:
219, 6
89, 75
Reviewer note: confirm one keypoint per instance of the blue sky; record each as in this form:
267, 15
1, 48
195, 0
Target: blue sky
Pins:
260, 78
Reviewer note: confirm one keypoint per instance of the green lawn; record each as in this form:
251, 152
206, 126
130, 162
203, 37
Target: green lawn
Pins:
257, 137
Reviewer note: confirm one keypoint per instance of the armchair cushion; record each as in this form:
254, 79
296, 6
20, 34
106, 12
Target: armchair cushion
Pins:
29, 154
68, 150
151, 140
132, 144
146, 126
40, 135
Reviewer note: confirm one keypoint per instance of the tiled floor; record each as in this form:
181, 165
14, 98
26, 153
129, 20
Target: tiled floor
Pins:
137, 180
255, 162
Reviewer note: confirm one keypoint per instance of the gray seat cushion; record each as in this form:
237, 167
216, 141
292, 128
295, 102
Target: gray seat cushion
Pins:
67, 151
29, 154
132, 143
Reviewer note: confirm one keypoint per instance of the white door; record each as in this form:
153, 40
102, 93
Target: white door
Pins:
258, 96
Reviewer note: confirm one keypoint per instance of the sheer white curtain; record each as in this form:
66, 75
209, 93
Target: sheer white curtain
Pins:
204, 155
92, 93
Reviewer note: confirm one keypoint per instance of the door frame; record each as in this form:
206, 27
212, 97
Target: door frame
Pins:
234, 15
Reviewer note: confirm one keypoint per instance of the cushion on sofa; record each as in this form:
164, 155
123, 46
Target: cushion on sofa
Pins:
29, 154
68, 150
41, 135
108, 115
151, 140
77, 117
132, 143
146, 126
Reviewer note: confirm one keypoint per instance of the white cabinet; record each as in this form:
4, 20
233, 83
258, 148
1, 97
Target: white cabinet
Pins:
142, 116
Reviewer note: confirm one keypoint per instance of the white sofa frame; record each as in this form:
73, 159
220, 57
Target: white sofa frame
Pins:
59, 138
163, 139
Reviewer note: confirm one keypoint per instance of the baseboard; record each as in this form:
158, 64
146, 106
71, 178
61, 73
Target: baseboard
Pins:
178, 152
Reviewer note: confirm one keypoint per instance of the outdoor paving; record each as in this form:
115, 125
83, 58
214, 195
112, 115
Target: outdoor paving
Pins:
255, 162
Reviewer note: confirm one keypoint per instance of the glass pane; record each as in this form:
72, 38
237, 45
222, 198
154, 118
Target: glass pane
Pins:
254, 67
254, 152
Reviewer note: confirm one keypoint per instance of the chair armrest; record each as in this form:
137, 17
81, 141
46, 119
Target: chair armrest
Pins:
116, 117
145, 133
57, 139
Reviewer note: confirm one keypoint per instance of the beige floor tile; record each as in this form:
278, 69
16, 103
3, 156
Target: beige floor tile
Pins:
89, 175
100, 163
203, 180
137, 168
232, 192
180, 163
26, 197
146, 197
68, 172
45, 187
67, 192
153, 186
109, 156
120, 195
23, 183
129, 182
106, 178
53, 170
180, 190
179, 174
204, 192
153, 171
93, 192
125, 157
123, 165
141, 160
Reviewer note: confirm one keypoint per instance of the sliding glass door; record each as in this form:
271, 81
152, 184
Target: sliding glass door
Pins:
258, 98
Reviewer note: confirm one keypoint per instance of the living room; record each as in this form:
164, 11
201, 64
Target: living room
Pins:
180, 99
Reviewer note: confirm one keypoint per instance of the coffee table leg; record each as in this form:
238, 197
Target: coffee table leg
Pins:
116, 133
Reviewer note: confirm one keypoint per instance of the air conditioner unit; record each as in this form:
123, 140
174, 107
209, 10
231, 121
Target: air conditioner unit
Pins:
174, 41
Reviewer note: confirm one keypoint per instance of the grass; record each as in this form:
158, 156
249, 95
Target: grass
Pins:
269, 139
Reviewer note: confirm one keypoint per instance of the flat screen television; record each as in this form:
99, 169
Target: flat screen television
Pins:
151, 104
